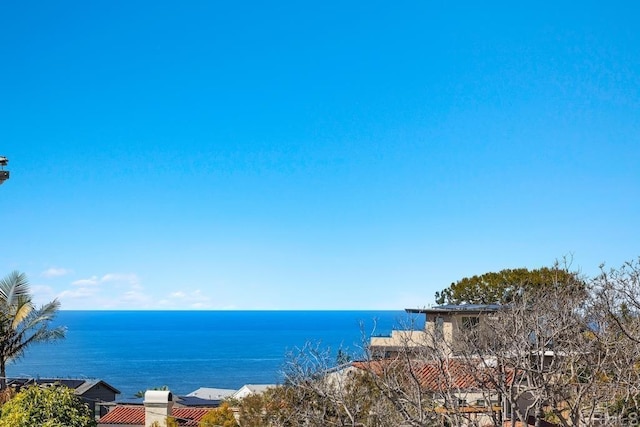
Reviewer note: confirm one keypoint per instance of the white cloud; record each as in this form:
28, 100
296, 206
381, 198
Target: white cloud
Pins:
125, 291
129, 278
117, 277
42, 294
92, 281
199, 305
77, 293
194, 299
55, 272
137, 299
112, 290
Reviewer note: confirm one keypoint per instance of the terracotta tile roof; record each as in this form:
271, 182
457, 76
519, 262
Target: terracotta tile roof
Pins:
438, 375
134, 415
125, 415
447, 375
190, 416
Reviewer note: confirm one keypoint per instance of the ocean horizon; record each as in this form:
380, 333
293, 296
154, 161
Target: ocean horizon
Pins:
135, 350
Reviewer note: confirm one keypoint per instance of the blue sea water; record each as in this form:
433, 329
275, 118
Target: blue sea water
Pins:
185, 350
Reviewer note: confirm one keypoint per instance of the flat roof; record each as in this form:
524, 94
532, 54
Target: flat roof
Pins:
455, 308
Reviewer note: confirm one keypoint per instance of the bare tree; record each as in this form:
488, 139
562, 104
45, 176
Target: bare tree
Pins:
565, 353
556, 354
429, 383
617, 309
324, 394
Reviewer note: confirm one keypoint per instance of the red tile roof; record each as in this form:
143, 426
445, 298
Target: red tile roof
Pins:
438, 375
126, 415
190, 416
134, 415
447, 375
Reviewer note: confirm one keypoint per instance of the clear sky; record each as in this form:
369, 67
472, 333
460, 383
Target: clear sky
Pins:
312, 155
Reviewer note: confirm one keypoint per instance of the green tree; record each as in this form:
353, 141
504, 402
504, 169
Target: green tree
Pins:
21, 323
54, 406
252, 411
222, 416
503, 286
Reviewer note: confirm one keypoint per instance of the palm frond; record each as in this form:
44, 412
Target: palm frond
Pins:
22, 309
14, 285
21, 324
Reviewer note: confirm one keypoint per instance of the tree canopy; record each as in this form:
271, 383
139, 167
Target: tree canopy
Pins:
221, 416
502, 286
54, 406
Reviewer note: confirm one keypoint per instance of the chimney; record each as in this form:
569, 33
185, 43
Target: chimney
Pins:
157, 407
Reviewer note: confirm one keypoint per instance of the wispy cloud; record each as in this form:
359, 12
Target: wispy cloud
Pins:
55, 272
125, 291
42, 294
92, 281
111, 290
180, 299
78, 293
118, 277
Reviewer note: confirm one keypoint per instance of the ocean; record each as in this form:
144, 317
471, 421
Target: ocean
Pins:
186, 350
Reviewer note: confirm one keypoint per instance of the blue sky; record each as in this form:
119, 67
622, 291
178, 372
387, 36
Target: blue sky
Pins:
312, 155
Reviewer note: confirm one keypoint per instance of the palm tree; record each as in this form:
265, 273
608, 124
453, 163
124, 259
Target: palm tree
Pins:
21, 323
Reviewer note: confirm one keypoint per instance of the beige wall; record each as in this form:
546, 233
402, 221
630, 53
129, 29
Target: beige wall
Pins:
451, 327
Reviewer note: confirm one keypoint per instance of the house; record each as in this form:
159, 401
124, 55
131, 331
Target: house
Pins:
134, 416
196, 402
455, 385
212, 393
443, 325
249, 389
157, 407
178, 402
96, 393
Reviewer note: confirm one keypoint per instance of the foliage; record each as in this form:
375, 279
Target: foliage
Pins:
221, 416
21, 323
53, 406
170, 422
252, 410
6, 395
503, 286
